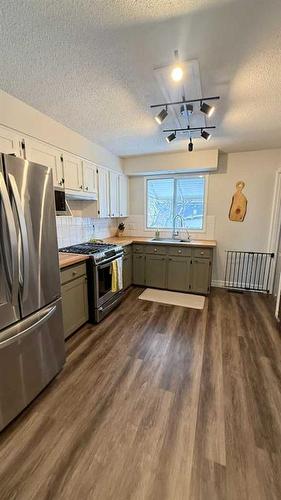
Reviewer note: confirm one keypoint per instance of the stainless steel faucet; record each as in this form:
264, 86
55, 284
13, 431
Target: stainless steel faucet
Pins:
176, 232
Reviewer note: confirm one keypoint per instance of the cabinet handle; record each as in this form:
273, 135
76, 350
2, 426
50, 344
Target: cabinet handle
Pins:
81, 187
112, 215
86, 188
74, 273
201, 253
155, 249
179, 251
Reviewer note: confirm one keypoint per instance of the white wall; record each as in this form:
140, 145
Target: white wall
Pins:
25, 119
257, 169
180, 161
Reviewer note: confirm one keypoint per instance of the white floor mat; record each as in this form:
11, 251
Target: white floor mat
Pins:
173, 298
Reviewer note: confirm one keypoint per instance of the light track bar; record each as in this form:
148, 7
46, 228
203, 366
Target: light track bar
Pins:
189, 129
215, 98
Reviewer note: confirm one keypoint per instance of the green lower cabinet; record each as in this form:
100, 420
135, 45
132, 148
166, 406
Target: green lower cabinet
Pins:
127, 271
74, 304
178, 273
155, 271
200, 275
139, 269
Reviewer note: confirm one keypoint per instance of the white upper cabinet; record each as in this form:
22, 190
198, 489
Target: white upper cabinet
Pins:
90, 178
10, 142
123, 195
114, 193
49, 156
103, 192
72, 172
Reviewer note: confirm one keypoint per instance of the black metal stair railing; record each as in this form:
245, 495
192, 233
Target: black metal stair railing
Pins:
248, 270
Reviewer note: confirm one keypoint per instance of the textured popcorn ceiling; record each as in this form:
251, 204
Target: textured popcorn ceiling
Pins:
89, 65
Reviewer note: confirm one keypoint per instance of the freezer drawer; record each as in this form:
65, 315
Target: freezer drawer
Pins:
32, 352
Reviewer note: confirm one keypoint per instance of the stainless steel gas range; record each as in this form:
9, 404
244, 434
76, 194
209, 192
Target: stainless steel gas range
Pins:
101, 298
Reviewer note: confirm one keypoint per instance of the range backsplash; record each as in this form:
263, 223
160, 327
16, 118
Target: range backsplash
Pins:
73, 230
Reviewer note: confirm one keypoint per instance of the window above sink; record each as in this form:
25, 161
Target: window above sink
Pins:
179, 200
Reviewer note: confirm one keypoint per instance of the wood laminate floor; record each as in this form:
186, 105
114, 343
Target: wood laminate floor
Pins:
160, 403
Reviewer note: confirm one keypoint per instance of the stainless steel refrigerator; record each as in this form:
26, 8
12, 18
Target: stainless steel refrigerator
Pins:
31, 330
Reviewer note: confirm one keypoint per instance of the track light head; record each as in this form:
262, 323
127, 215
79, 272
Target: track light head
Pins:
161, 116
205, 135
206, 109
171, 137
190, 145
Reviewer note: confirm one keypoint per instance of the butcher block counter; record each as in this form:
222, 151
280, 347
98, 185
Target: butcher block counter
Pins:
128, 240
67, 259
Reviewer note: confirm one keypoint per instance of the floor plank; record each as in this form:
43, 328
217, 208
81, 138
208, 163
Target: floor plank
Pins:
157, 402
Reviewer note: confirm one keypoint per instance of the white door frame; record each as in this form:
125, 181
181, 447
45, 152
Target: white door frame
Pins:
274, 230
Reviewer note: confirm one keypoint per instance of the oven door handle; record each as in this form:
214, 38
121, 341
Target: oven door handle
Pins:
105, 263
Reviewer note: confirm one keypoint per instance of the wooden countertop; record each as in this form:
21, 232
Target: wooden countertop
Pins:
127, 240
67, 259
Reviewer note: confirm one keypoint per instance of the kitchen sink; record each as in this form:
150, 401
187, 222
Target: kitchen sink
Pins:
169, 240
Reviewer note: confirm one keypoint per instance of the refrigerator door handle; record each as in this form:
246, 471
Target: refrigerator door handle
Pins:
8, 337
13, 240
24, 237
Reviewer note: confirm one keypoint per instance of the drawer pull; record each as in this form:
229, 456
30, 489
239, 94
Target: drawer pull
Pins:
155, 249
74, 273
179, 251
201, 253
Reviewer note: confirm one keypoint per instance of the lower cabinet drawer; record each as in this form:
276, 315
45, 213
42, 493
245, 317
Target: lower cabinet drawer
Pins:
156, 249
72, 272
74, 305
202, 252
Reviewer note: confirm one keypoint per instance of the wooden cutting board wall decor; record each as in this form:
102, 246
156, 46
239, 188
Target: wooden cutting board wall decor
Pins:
238, 207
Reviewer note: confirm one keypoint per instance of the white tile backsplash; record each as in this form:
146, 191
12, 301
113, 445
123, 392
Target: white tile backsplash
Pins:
135, 226
73, 230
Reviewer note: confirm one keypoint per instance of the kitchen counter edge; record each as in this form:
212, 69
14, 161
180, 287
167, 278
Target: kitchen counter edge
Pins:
138, 239
66, 259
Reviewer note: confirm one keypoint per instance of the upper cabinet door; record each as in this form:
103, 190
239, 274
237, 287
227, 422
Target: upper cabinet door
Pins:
114, 193
10, 142
103, 195
89, 177
72, 172
49, 156
123, 195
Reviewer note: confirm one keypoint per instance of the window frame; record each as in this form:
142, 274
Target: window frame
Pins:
177, 176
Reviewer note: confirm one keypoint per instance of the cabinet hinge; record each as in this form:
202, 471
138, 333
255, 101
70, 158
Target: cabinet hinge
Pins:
191, 262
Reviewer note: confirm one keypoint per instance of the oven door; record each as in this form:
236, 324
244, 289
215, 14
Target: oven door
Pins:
104, 283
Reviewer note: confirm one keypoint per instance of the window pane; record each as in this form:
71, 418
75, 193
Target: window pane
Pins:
190, 193
160, 194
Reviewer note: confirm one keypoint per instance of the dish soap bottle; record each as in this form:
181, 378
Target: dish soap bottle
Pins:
157, 234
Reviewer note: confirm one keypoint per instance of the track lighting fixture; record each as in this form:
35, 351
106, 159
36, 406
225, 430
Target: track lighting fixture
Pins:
161, 116
186, 109
206, 109
171, 137
205, 135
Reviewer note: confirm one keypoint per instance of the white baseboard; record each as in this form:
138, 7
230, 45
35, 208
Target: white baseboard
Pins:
217, 283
